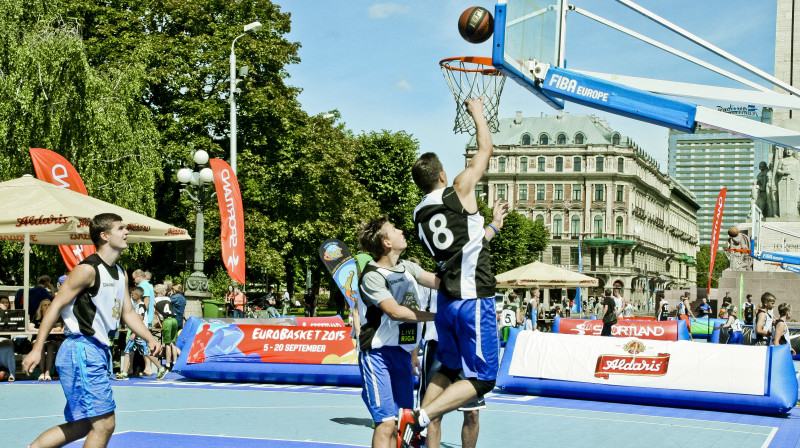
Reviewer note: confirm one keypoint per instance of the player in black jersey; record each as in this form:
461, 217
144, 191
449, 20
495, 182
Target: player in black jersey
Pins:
453, 232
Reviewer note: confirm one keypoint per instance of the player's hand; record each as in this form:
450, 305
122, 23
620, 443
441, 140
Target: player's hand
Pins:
31, 361
474, 107
416, 367
154, 346
499, 211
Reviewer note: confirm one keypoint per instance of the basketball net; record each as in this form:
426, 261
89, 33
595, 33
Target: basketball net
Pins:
473, 77
738, 259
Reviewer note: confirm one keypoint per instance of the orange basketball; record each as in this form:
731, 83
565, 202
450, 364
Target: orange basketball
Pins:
476, 25
733, 232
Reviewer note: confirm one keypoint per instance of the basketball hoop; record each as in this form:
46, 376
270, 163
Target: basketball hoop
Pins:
473, 77
739, 259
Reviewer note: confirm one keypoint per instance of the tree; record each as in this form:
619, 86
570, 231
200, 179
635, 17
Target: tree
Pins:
520, 242
704, 261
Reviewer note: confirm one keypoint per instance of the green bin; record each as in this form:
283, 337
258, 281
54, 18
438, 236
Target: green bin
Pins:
213, 308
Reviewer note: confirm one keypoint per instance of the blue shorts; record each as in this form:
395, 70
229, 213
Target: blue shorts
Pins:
136, 345
82, 365
735, 337
387, 381
467, 330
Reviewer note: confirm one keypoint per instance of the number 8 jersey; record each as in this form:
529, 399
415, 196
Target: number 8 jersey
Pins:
456, 240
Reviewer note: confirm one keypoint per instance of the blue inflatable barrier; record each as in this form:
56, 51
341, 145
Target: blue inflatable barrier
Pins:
780, 387
262, 372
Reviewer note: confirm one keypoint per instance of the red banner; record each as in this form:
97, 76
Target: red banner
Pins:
51, 167
663, 331
715, 228
333, 321
232, 215
273, 344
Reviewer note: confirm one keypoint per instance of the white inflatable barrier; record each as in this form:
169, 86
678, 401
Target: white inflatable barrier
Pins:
759, 380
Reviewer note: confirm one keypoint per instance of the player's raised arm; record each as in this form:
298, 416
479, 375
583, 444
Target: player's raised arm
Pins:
465, 182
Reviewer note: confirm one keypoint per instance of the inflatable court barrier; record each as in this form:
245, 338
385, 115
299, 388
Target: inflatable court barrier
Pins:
254, 351
644, 329
664, 373
720, 336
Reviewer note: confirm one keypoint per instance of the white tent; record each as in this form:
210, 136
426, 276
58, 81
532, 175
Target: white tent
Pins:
42, 213
541, 275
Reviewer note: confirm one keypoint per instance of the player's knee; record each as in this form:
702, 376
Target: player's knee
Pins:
471, 417
104, 424
450, 374
482, 387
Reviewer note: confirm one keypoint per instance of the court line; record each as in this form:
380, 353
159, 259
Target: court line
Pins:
774, 429
238, 437
769, 439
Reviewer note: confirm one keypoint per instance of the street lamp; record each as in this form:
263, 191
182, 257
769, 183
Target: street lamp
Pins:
254, 26
193, 184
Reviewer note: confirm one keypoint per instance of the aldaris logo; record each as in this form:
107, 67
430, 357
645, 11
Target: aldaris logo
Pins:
632, 364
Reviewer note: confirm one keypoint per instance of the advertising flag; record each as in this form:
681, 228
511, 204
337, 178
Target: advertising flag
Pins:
232, 216
715, 228
576, 307
55, 169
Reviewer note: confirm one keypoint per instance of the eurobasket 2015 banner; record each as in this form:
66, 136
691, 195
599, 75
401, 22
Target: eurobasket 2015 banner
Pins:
222, 342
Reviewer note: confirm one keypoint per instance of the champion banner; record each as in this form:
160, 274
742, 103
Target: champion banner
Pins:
51, 167
232, 216
715, 228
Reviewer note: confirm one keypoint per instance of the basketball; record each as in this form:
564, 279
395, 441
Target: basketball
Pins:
733, 232
476, 25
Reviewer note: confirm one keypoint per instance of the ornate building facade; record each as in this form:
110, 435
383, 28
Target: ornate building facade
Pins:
590, 185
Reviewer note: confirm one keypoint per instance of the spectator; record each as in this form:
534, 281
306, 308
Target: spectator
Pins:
764, 318
286, 300
7, 359
662, 309
239, 301
530, 310
619, 302
53, 341
134, 343
169, 328
781, 335
723, 312
310, 300
734, 325
272, 303
511, 315
178, 304
609, 314
36, 294
748, 310
229, 296
705, 308
685, 311
628, 311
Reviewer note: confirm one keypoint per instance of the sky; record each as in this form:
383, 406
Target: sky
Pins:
377, 62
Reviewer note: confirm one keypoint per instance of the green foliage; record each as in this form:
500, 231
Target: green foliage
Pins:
703, 263
520, 242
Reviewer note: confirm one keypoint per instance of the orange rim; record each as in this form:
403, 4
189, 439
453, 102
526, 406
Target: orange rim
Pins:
484, 65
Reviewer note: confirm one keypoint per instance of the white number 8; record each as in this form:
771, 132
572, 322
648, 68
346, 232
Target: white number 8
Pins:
438, 226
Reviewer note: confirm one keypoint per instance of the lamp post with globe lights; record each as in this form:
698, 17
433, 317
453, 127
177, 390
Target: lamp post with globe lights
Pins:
253, 26
193, 184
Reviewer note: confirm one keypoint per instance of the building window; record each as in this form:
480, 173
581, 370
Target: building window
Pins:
599, 192
526, 139
558, 193
523, 165
540, 192
576, 164
559, 164
540, 164
540, 218
573, 256
478, 191
558, 227
599, 165
523, 192
556, 255
576, 192
578, 138
501, 192
575, 227
561, 139
619, 227
615, 140
543, 139
598, 226
620, 193
620, 165
501, 165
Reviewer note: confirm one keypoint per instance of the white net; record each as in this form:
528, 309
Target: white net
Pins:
739, 261
473, 78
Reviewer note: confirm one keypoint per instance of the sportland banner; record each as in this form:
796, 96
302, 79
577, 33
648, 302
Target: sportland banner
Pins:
222, 342
715, 228
55, 169
678, 365
232, 216
663, 331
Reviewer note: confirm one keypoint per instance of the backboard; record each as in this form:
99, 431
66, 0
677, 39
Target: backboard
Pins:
526, 31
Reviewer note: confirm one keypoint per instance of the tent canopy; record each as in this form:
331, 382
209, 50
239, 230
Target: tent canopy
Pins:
541, 275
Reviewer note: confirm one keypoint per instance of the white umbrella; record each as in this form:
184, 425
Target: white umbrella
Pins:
42, 213
541, 275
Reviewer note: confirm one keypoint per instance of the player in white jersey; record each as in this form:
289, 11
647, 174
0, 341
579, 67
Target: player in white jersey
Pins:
452, 230
90, 301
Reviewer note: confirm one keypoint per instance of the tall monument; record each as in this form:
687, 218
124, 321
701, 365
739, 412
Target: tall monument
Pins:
787, 57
